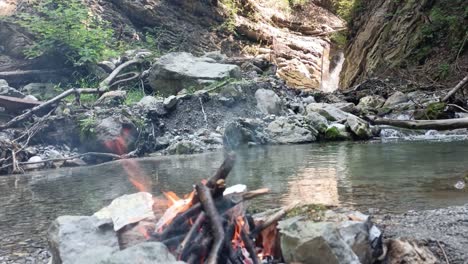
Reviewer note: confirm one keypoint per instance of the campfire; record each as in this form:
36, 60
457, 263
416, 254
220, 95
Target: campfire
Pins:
210, 225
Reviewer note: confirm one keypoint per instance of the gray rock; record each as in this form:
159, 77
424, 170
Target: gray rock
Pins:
317, 121
43, 91
6, 90
268, 102
337, 132
330, 112
309, 243
291, 130
180, 70
36, 165
308, 100
148, 102
145, 253
31, 97
243, 131
346, 107
371, 102
170, 102
110, 131
73, 236
184, 147
395, 99
359, 127
215, 55
112, 98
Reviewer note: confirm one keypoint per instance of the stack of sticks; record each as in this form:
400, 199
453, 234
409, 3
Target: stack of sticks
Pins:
204, 233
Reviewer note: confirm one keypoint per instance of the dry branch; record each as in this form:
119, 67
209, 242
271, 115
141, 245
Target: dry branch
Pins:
204, 194
272, 219
456, 88
441, 124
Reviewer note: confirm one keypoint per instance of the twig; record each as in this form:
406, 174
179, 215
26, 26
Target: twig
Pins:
443, 252
203, 111
209, 207
459, 107
272, 219
182, 249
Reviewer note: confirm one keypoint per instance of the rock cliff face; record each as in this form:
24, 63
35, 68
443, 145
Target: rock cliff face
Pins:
420, 40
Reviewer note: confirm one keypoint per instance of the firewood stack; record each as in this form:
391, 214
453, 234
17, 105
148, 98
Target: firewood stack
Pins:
214, 228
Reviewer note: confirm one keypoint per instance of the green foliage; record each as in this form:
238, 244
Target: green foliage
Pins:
232, 7
347, 8
134, 96
444, 71
339, 38
87, 127
69, 28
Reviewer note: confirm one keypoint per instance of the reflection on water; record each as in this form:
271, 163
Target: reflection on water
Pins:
393, 177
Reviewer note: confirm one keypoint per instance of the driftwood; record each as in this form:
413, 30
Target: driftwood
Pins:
441, 124
456, 88
104, 86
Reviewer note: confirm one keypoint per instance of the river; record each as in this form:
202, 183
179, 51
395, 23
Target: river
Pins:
391, 177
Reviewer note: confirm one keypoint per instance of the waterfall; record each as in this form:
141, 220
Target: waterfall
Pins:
331, 81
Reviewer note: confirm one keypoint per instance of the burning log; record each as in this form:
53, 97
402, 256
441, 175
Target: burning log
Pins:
250, 246
182, 249
216, 182
272, 219
209, 207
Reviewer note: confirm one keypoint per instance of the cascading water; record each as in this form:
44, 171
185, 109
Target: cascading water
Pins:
331, 81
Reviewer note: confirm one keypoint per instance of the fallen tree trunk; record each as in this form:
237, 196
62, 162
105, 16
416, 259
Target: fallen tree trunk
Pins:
456, 88
441, 124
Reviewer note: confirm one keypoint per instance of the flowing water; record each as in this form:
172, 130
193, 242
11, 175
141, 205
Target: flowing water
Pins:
392, 176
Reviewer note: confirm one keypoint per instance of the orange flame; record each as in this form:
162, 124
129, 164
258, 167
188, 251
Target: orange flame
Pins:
237, 239
176, 206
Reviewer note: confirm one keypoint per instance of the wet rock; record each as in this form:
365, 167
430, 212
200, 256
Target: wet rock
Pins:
290, 130
309, 243
54, 154
72, 236
112, 98
170, 102
401, 251
6, 90
180, 70
268, 102
317, 121
395, 99
359, 127
43, 91
337, 132
330, 112
371, 102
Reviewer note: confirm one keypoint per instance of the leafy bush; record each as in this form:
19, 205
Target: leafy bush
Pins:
346, 8
69, 28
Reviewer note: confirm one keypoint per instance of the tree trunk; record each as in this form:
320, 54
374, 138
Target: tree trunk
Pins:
442, 124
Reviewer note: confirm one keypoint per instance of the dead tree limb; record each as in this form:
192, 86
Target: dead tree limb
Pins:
272, 219
456, 88
441, 124
45, 105
204, 194
107, 82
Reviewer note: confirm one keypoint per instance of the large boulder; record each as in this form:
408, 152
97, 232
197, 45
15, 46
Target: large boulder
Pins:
309, 243
176, 71
330, 112
144, 253
72, 236
268, 102
359, 127
291, 130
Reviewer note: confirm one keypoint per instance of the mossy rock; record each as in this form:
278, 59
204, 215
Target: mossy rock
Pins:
314, 212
